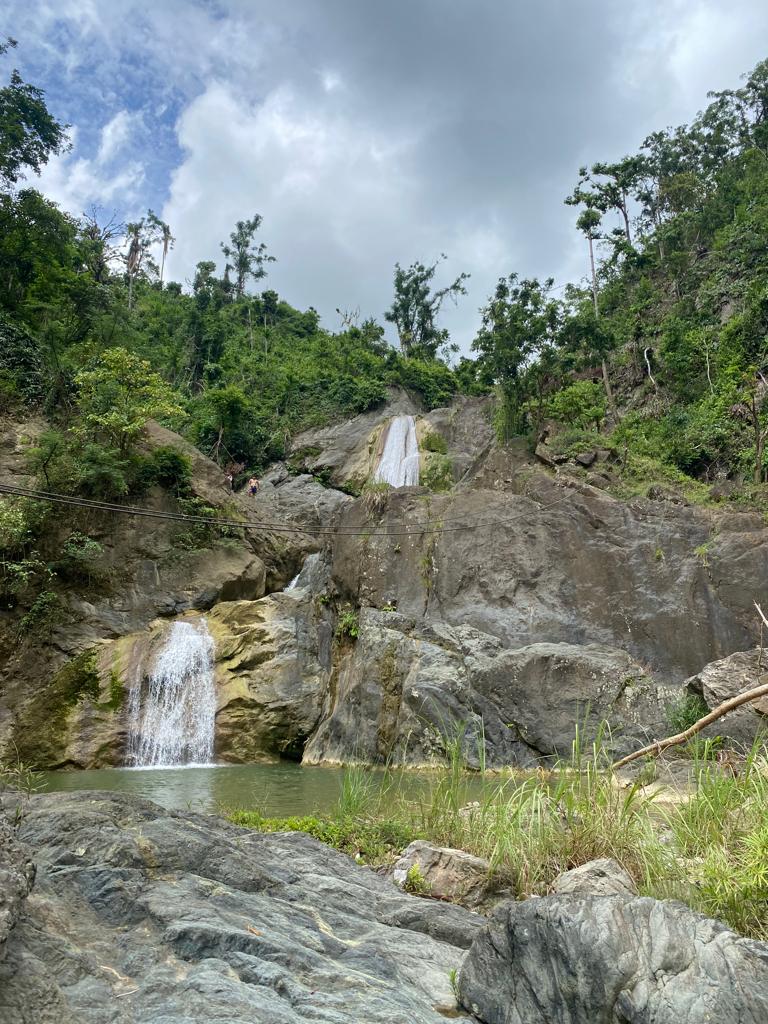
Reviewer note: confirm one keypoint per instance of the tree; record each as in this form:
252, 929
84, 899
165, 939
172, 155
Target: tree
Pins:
416, 308
118, 395
588, 223
163, 234
141, 235
29, 134
519, 320
99, 246
609, 186
244, 257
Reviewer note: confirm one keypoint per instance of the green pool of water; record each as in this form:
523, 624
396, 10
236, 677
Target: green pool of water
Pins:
274, 789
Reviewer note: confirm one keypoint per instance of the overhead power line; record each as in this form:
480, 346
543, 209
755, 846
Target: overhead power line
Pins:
430, 526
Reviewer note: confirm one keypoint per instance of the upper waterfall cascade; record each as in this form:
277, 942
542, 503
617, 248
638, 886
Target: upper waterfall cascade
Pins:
399, 462
172, 715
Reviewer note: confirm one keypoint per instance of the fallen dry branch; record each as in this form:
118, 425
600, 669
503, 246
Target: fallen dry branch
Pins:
654, 749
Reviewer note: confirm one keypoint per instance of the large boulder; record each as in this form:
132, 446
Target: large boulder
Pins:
612, 960
141, 914
273, 663
407, 686
726, 678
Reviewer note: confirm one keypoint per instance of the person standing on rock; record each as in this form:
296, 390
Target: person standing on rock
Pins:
253, 487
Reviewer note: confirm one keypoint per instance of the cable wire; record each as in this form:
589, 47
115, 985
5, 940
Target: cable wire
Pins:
248, 524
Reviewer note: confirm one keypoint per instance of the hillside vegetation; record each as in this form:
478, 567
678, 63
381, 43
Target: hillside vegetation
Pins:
663, 351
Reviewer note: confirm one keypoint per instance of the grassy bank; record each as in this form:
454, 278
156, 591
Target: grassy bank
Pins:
708, 846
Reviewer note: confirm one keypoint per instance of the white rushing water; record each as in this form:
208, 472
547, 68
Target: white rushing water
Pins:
303, 577
399, 463
172, 713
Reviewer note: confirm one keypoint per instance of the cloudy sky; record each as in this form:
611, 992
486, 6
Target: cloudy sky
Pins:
364, 132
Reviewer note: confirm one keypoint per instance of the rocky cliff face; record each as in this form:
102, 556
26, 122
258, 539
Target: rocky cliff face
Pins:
520, 601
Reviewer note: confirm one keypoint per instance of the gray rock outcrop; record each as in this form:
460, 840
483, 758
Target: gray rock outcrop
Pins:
407, 684
140, 914
612, 960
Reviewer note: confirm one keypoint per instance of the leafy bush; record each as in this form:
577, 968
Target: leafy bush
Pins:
434, 442
582, 404
433, 381
42, 615
81, 559
348, 626
170, 468
436, 472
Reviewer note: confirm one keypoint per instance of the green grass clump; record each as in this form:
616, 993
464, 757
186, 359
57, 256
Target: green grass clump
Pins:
372, 842
722, 831
710, 849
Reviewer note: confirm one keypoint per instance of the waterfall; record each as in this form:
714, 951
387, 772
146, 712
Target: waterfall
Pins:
172, 714
399, 462
303, 577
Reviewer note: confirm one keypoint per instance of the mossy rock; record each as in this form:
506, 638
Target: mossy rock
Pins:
42, 732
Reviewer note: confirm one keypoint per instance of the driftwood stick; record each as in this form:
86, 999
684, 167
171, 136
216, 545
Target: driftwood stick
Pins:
654, 749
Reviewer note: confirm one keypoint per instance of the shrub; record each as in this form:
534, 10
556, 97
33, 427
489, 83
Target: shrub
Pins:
348, 626
171, 469
432, 380
581, 405
81, 559
434, 442
43, 613
436, 472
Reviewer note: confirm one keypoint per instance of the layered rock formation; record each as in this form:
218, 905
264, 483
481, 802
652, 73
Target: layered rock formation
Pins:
520, 602
608, 959
140, 914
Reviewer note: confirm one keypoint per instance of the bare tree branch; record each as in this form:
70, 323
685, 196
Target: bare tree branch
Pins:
654, 749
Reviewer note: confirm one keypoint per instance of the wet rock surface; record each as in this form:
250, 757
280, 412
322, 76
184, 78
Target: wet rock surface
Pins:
612, 959
140, 914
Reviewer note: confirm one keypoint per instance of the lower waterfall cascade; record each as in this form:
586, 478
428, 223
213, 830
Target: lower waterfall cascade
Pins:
172, 709
399, 462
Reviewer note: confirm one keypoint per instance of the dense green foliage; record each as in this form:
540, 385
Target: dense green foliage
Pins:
666, 347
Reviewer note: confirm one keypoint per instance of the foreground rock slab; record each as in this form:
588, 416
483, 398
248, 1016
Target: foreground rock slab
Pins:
144, 915
612, 960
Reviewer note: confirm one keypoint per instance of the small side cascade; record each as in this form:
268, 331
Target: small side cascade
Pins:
304, 576
172, 712
399, 462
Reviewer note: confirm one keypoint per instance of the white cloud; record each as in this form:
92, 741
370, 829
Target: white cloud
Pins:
77, 182
115, 135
